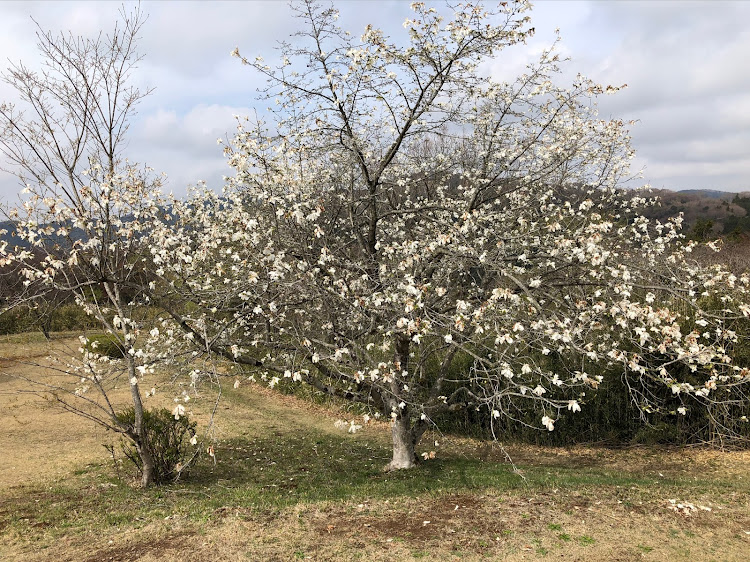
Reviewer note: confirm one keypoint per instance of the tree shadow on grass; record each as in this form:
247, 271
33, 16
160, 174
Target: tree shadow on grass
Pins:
286, 469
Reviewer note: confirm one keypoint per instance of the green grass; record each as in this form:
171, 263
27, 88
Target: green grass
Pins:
275, 462
265, 474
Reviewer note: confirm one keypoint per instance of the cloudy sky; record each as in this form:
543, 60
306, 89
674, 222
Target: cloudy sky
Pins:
685, 63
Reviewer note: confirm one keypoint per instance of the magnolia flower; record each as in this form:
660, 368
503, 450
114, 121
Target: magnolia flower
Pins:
549, 423
574, 406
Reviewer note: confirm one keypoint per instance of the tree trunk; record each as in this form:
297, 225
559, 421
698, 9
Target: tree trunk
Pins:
403, 434
147, 461
404, 444
139, 430
46, 325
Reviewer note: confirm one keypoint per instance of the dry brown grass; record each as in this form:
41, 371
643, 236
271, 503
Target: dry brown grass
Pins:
40, 440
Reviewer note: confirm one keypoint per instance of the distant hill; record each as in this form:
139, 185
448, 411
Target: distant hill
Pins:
710, 193
711, 212
10, 236
13, 240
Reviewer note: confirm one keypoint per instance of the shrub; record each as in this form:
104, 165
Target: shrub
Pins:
106, 344
15, 321
68, 317
168, 442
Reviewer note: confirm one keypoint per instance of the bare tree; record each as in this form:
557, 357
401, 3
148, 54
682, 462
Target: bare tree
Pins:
86, 213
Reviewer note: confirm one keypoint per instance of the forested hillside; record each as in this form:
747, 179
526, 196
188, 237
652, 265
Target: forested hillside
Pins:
707, 213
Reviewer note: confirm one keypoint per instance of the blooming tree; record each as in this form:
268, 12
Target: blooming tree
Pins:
85, 221
411, 235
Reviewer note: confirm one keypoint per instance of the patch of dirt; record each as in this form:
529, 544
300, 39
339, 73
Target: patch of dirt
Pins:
464, 520
6, 361
162, 547
515, 526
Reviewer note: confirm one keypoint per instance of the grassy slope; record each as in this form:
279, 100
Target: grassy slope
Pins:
288, 485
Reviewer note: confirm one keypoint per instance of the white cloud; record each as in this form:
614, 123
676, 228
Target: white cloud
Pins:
684, 63
184, 146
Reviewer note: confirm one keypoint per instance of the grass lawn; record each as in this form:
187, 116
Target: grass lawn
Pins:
288, 485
